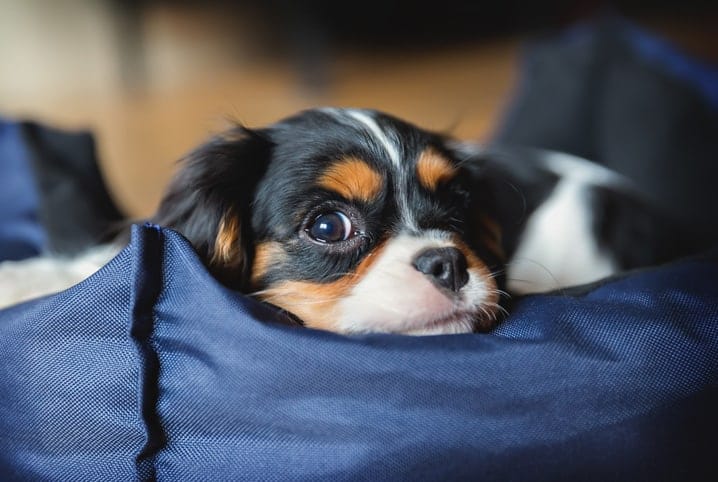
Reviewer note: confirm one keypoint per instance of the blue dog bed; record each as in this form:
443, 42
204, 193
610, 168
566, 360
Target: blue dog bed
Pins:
151, 370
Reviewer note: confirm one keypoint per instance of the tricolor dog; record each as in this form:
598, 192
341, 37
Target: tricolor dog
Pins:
355, 221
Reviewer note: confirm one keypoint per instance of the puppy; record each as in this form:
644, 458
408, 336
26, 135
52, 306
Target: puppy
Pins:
351, 220
355, 221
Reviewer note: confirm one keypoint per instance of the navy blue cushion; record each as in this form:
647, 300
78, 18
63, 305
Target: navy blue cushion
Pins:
72, 378
152, 370
45, 174
21, 233
612, 92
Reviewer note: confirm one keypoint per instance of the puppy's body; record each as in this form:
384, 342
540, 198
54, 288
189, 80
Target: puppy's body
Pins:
355, 221
568, 221
24, 280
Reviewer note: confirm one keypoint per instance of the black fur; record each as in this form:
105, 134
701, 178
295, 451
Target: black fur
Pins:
216, 177
272, 173
268, 177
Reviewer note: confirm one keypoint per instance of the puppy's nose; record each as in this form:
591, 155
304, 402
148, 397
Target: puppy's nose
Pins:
444, 266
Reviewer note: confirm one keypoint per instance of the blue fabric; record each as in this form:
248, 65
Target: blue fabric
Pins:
46, 173
701, 76
71, 378
151, 370
609, 91
21, 234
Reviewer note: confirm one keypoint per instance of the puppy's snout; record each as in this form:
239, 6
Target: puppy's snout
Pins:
445, 267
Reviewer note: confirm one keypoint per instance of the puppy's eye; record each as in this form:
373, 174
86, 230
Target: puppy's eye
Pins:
331, 227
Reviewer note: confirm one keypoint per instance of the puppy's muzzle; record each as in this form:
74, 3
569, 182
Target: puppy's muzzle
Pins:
445, 267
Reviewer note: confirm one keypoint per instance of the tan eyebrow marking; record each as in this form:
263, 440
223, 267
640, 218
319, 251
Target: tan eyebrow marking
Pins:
433, 169
353, 179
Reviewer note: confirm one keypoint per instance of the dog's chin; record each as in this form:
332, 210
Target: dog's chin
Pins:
453, 324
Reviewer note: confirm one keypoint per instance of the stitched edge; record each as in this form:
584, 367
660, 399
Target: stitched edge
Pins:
147, 277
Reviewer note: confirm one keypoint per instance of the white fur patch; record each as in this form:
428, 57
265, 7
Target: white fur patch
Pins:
36, 277
394, 296
581, 170
558, 247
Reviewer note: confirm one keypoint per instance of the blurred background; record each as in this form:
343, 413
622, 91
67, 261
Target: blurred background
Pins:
151, 78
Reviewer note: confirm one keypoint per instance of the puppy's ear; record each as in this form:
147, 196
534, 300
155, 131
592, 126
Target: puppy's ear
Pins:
484, 228
210, 197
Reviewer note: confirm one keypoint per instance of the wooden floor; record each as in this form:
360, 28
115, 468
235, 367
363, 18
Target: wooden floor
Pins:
200, 70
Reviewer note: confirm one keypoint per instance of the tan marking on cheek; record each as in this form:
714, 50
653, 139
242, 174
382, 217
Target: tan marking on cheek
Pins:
473, 262
491, 226
353, 179
492, 236
227, 251
313, 303
266, 254
316, 303
433, 169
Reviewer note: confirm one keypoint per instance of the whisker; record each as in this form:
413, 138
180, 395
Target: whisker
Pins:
557, 283
502, 293
497, 307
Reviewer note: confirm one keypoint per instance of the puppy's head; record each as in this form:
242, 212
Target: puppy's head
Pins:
351, 220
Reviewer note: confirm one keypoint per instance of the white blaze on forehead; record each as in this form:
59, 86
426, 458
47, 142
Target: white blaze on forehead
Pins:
393, 296
379, 135
401, 181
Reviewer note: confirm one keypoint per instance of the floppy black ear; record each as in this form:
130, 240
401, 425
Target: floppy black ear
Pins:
210, 197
